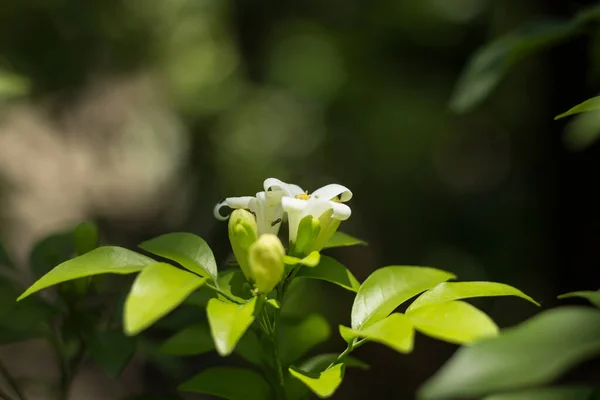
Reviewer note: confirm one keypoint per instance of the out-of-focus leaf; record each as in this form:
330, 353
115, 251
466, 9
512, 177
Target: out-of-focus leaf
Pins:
453, 321
13, 85
296, 339
448, 291
321, 361
341, 239
85, 237
323, 384
582, 131
395, 331
490, 63
551, 393
250, 348
111, 350
592, 297
331, 271
388, 287
50, 252
228, 323
193, 340
189, 250
157, 290
311, 260
229, 383
5, 258
103, 260
532, 353
592, 104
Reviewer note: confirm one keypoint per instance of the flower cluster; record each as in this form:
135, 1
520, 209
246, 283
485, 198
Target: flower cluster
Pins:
312, 220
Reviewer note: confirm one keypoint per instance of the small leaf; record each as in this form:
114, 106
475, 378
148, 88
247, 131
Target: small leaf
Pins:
311, 260
50, 252
448, 291
296, 339
111, 350
230, 383
85, 237
550, 393
103, 260
592, 104
323, 384
592, 297
5, 258
395, 331
332, 271
192, 340
388, 287
189, 250
274, 303
228, 323
320, 362
341, 239
13, 85
532, 353
453, 321
157, 290
234, 283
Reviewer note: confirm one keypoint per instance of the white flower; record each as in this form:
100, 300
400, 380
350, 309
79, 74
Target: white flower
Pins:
322, 202
266, 206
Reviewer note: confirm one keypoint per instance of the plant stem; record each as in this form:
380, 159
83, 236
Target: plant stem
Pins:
355, 344
12, 383
65, 372
223, 293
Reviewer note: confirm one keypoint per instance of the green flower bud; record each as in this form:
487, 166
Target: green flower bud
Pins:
266, 262
243, 232
308, 232
328, 227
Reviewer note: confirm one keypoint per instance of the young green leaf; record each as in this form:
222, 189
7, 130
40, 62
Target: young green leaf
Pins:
331, 271
111, 350
274, 303
453, 321
592, 104
388, 287
230, 383
448, 291
85, 237
157, 290
592, 297
323, 384
103, 260
187, 249
50, 252
550, 393
192, 340
395, 331
341, 239
228, 323
532, 353
311, 260
296, 339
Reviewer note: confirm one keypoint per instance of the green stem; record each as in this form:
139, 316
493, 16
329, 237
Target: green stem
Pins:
355, 344
223, 293
65, 373
11, 382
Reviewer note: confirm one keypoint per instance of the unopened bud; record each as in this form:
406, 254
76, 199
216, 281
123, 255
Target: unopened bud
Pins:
328, 227
308, 231
266, 262
242, 234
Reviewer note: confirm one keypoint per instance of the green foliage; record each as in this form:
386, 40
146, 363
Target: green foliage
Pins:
111, 350
341, 239
395, 331
13, 85
592, 297
533, 353
85, 237
229, 383
323, 384
192, 340
228, 322
311, 260
299, 337
592, 104
332, 271
552, 393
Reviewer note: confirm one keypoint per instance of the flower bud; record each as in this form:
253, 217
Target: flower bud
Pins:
266, 262
242, 234
308, 231
328, 227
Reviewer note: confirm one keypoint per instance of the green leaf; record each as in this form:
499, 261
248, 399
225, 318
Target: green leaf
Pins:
395, 331
274, 303
250, 348
311, 260
448, 291
13, 85
228, 323
323, 384
111, 350
5, 258
192, 340
157, 290
532, 353
50, 252
341, 239
388, 287
189, 250
490, 64
229, 383
234, 283
453, 321
103, 260
296, 339
331, 271
592, 297
550, 393
85, 237
592, 104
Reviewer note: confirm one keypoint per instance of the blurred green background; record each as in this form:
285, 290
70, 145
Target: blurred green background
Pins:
142, 115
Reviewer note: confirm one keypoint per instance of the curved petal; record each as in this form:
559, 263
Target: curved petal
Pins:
217, 211
340, 211
233, 202
288, 189
269, 214
292, 205
331, 191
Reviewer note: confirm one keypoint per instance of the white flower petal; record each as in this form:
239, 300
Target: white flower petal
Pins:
340, 211
288, 189
292, 205
331, 191
234, 202
269, 213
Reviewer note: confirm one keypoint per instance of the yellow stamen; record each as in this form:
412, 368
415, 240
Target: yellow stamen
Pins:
303, 196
